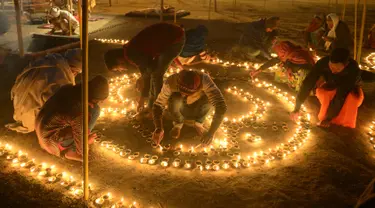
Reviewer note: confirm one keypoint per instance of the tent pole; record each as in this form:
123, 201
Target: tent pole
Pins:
355, 28
344, 10
19, 27
80, 19
209, 9
161, 10
362, 32
85, 105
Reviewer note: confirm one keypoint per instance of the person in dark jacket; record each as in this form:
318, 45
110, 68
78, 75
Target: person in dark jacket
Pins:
337, 78
296, 61
59, 122
259, 36
195, 45
151, 52
338, 35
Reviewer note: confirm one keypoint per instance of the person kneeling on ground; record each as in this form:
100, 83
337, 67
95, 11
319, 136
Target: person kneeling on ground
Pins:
62, 20
258, 38
297, 61
339, 35
59, 123
189, 95
38, 82
151, 52
339, 93
194, 49
314, 32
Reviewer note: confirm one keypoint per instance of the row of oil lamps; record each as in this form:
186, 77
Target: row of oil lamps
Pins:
49, 174
221, 145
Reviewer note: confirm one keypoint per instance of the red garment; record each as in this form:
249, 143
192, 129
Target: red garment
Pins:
348, 114
313, 26
153, 40
287, 51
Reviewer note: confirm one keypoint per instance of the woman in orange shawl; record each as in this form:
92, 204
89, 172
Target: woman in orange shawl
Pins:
295, 63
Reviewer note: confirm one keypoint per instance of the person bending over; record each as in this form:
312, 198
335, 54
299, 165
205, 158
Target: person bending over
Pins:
337, 78
189, 95
59, 123
151, 52
62, 20
194, 50
296, 60
38, 82
258, 38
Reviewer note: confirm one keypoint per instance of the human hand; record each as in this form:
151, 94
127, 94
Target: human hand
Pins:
254, 73
158, 135
294, 115
92, 138
207, 138
141, 104
324, 123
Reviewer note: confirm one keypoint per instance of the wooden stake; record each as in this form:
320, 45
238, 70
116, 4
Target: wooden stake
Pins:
85, 99
19, 27
209, 10
362, 32
2, 5
71, 11
161, 10
175, 16
110, 3
215, 5
355, 27
265, 2
234, 8
344, 10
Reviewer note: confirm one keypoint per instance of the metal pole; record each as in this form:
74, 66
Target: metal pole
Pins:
355, 28
344, 10
85, 93
19, 28
362, 32
209, 10
161, 10
80, 19
71, 11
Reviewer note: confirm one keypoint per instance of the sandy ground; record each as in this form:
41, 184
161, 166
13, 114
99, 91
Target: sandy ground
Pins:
331, 170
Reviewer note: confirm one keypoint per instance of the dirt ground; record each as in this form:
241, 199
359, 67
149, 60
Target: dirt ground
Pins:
331, 170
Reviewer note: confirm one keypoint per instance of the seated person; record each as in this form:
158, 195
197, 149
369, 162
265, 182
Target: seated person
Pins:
314, 32
338, 34
189, 95
371, 38
339, 93
195, 44
60, 20
151, 52
258, 38
59, 122
297, 61
38, 82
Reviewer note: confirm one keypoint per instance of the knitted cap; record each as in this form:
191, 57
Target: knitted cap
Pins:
74, 57
272, 22
189, 82
98, 88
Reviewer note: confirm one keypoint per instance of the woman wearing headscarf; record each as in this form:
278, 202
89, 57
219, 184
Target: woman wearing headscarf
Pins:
295, 60
38, 82
338, 35
314, 32
195, 45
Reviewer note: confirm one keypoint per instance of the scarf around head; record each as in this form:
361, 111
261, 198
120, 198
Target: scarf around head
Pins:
189, 81
287, 51
332, 33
